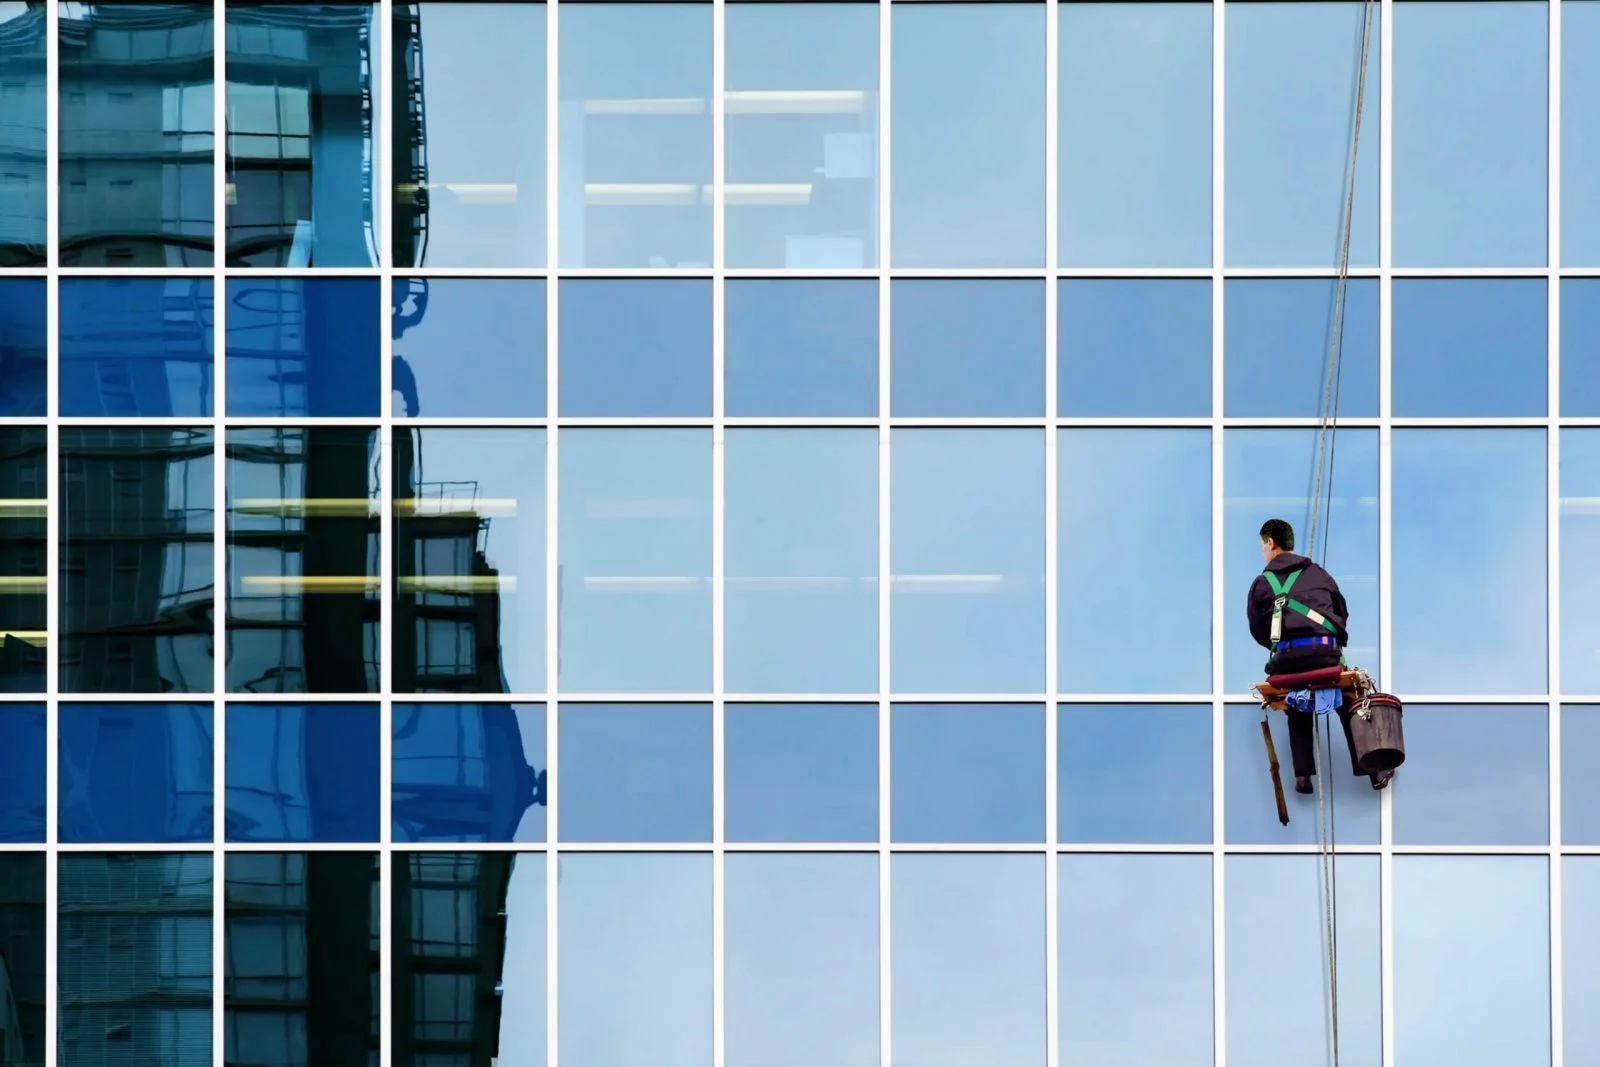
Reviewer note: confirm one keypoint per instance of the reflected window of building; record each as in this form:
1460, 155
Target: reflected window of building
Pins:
23, 944
24, 559
131, 773
23, 344
303, 346
469, 772
302, 772
22, 766
137, 347
468, 347
22, 133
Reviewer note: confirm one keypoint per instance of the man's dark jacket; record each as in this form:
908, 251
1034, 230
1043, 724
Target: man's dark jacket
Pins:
1315, 588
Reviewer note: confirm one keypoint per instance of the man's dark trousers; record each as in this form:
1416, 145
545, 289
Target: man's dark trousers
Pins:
1303, 725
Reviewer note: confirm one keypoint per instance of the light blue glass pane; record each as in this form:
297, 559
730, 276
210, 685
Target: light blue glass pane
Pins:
22, 770
1470, 134
635, 561
802, 960
968, 111
1278, 333
524, 975
1580, 346
1129, 348
1482, 776
23, 344
303, 772
1154, 758
801, 772
1251, 812
135, 773
477, 139
968, 561
1135, 180
303, 119
23, 33
1472, 961
1269, 474
1471, 347
967, 953
635, 136
468, 347
635, 958
967, 348
137, 347
303, 346
1110, 980
1580, 135
942, 794
1580, 788
469, 772
1580, 976
1469, 502
1292, 74
635, 772
801, 561
807, 347
802, 110
1277, 961
1105, 611
1580, 543
635, 348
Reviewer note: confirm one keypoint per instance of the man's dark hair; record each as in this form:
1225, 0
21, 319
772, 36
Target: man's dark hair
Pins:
1279, 532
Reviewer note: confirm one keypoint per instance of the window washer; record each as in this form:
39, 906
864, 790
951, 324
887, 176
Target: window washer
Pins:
1299, 615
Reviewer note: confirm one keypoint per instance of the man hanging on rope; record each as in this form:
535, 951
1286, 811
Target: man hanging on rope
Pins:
1311, 620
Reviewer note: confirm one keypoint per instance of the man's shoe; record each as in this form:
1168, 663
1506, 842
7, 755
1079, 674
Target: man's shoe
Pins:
1381, 779
1302, 784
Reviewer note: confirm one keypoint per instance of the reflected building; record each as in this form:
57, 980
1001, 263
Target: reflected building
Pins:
410, 147
22, 956
137, 347
135, 772
22, 135
23, 554
460, 773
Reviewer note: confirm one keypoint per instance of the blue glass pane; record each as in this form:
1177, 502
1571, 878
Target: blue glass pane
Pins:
968, 112
303, 115
801, 561
967, 348
1154, 758
136, 773
1580, 346
943, 794
801, 772
1110, 981
137, 135
24, 943
1277, 961
1131, 348
303, 346
806, 347
1469, 991
968, 561
1469, 502
1580, 138
469, 772
635, 132
1275, 349
635, 348
1291, 76
1105, 611
635, 960
1484, 781
23, 340
1471, 347
635, 772
801, 101
470, 154
1580, 975
635, 561
1470, 133
23, 33
469, 348
137, 347
1580, 541
22, 767
1580, 788
1269, 474
303, 772
967, 953
802, 960
1252, 813
1135, 181
24, 558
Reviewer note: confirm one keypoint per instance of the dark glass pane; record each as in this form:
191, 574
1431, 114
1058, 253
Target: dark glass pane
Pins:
138, 145
23, 33
23, 943
1130, 348
23, 340
635, 772
805, 347
1486, 778
24, 551
1470, 347
303, 592
801, 772
303, 346
469, 772
133, 773
1154, 758
137, 347
967, 347
302, 772
635, 348
1275, 356
942, 793
468, 347
1580, 787
1580, 345
22, 766
137, 581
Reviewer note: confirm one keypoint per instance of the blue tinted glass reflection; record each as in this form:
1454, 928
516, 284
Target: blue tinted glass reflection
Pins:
635, 772
1276, 347
1485, 781
303, 772
804, 346
468, 347
1470, 85
469, 772
1155, 758
303, 115
967, 348
1470, 347
1468, 991
1129, 348
1580, 346
137, 347
1580, 143
23, 340
1110, 981
1580, 544
135, 773
470, 179
1580, 788
1135, 185
303, 346
1469, 502
635, 348
23, 30
22, 766
945, 791
1105, 611
801, 563
801, 772
1251, 813
968, 113
1580, 972
24, 558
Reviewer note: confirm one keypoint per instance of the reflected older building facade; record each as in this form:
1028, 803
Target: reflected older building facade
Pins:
137, 347
23, 582
22, 959
22, 135
134, 772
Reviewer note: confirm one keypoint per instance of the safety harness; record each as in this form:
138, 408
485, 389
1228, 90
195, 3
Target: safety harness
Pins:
1282, 599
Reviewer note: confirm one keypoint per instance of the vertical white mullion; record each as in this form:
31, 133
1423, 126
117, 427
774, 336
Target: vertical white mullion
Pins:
1219, 710
52, 134
885, 537
1386, 52
1052, 505
219, 531
1553, 551
52, 526
383, 257
552, 518
719, 20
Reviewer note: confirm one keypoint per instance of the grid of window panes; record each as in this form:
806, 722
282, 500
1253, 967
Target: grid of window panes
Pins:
782, 597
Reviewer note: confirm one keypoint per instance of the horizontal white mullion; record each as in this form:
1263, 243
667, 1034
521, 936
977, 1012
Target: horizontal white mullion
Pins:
207, 849
1436, 698
1242, 699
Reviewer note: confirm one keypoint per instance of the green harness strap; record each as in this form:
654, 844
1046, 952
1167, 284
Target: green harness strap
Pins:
1282, 599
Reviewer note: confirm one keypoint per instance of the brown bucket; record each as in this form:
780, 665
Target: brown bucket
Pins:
1379, 738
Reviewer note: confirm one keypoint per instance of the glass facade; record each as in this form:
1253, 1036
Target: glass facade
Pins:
779, 598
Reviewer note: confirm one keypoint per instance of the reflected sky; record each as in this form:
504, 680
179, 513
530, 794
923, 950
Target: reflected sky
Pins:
802, 346
135, 773
967, 347
635, 772
1275, 352
1580, 788
524, 1013
1154, 758
478, 351
1470, 347
142, 347
801, 772
1580, 345
1250, 812
1134, 347
1580, 967
632, 348
22, 770
1580, 542
23, 344
967, 773
23, 46
1485, 779
1580, 136
469, 772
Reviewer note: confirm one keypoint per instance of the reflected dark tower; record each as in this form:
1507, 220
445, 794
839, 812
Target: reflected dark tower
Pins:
22, 557
22, 955
410, 149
